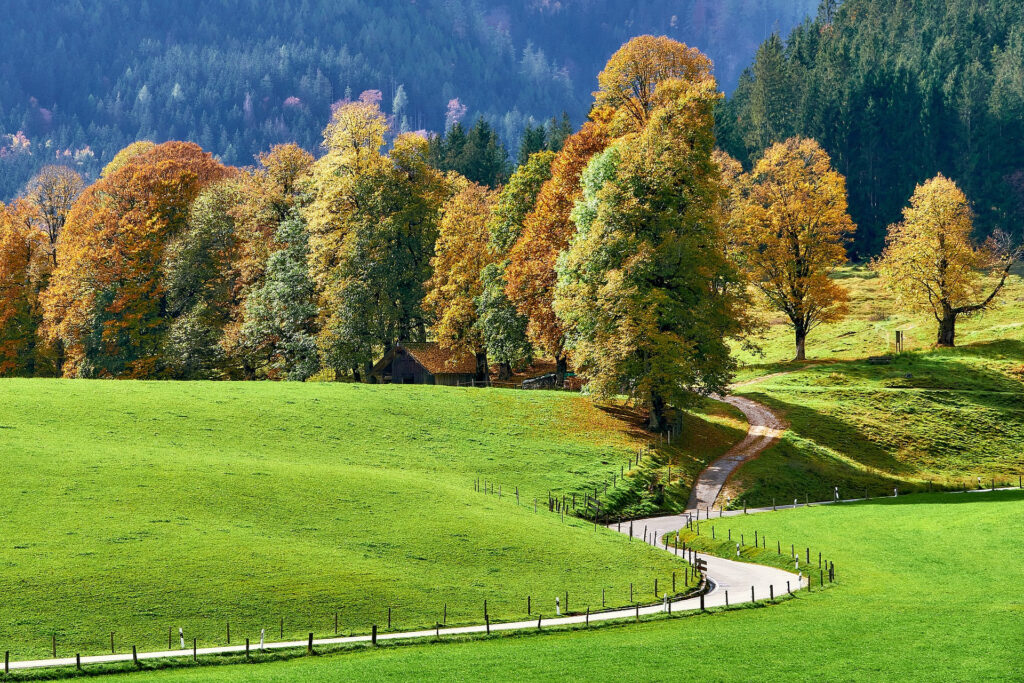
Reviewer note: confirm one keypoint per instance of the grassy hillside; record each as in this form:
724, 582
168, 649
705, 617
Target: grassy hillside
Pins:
132, 507
874, 317
926, 590
933, 417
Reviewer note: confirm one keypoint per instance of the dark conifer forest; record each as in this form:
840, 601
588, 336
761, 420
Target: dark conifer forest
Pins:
896, 91
80, 80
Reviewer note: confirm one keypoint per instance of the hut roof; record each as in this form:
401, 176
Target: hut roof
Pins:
439, 361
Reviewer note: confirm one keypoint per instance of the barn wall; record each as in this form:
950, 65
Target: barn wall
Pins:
452, 379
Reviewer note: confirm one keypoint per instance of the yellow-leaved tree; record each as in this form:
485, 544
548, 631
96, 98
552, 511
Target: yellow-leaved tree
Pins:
460, 254
930, 263
789, 233
629, 81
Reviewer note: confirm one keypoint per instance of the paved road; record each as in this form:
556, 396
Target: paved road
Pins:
729, 583
764, 430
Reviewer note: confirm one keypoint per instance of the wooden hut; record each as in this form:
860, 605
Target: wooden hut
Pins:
424, 363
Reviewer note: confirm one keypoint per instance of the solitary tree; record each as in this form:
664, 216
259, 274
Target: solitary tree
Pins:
790, 232
930, 263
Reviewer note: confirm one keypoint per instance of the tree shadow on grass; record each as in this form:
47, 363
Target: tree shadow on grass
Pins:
838, 434
952, 370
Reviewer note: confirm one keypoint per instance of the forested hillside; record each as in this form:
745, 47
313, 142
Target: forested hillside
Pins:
896, 91
79, 81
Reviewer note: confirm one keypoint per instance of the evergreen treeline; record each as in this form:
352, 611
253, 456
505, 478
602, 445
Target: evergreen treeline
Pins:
80, 81
896, 91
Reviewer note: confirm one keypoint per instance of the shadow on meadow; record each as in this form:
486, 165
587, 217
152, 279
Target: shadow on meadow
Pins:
981, 368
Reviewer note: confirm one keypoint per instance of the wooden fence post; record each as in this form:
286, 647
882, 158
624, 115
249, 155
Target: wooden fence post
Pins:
135, 655
195, 650
373, 635
309, 645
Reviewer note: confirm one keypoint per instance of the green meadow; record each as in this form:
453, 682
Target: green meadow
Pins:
135, 507
927, 588
930, 418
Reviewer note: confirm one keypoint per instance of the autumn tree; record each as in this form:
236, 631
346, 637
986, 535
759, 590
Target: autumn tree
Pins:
502, 326
106, 301
645, 291
530, 275
21, 247
931, 264
461, 253
201, 285
629, 82
123, 157
266, 197
373, 223
52, 192
790, 230
281, 313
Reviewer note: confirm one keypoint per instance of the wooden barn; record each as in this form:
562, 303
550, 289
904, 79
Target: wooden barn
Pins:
423, 363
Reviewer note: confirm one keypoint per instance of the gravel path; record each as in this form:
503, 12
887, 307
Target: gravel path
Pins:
764, 429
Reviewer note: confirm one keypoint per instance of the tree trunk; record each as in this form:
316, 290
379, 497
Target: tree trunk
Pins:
801, 341
355, 374
58, 358
657, 422
483, 371
947, 329
367, 368
561, 367
504, 371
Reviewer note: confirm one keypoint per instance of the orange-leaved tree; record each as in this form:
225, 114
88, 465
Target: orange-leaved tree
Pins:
530, 276
22, 252
790, 231
106, 299
931, 264
460, 254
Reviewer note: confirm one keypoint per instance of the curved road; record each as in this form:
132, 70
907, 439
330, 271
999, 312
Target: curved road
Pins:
764, 429
729, 582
